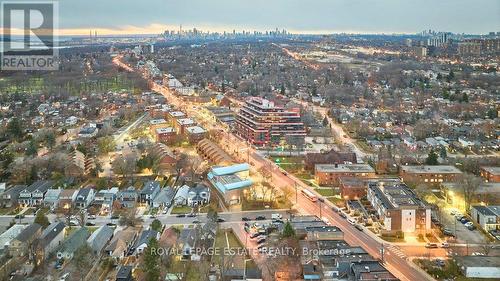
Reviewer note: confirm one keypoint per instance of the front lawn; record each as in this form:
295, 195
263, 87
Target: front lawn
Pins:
326, 191
181, 210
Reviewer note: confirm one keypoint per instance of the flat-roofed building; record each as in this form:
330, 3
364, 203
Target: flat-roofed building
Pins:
398, 206
172, 115
326, 174
429, 174
195, 133
352, 188
182, 123
157, 123
490, 174
230, 181
165, 134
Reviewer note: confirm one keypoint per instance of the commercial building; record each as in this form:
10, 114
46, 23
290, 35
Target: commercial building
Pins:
490, 174
429, 174
469, 48
479, 266
398, 207
263, 123
329, 174
230, 181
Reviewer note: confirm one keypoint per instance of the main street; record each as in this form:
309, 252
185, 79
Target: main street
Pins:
399, 266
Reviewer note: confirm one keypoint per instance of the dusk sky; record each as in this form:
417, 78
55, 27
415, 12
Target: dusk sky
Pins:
298, 16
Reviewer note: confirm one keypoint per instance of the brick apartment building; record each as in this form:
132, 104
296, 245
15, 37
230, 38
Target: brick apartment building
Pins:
263, 123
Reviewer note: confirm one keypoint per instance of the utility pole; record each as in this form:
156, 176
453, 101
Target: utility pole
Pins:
296, 192
382, 251
320, 200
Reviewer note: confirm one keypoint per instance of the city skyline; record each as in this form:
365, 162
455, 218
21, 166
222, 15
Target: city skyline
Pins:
317, 17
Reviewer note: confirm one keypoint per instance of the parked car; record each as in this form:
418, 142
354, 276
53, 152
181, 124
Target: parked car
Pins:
431, 245
440, 262
471, 227
181, 215
464, 220
90, 223
196, 221
358, 227
477, 254
221, 220
245, 219
261, 240
254, 235
111, 224
191, 215
343, 215
91, 217
445, 245
260, 218
351, 221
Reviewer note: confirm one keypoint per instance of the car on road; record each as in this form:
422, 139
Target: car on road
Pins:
114, 217
152, 217
471, 227
91, 217
196, 221
19, 217
351, 221
181, 215
90, 223
431, 245
245, 219
445, 245
111, 224
221, 220
191, 215
260, 218
343, 215
358, 227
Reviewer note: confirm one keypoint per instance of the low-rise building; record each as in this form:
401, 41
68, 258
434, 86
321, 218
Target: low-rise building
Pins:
230, 181
488, 217
67, 197
74, 241
34, 194
100, 238
330, 157
352, 188
429, 174
479, 266
128, 197
52, 198
195, 133
213, 153
398, 207
10, 196
165, 135
84, 197
49, 241
121, 243
9, 235
490, 174
149, 191
198, 195
329, 174
20, 246
182, 123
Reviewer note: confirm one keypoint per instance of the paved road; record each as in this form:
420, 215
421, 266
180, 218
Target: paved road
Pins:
397, 265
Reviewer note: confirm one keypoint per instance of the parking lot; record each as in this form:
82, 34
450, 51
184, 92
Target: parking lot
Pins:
463, 234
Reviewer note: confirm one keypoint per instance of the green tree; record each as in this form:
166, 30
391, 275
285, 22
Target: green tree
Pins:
106, 144
443, 153
432, 158
32, 148
14, 128
42, 219
156, 225
288, 230
151, 261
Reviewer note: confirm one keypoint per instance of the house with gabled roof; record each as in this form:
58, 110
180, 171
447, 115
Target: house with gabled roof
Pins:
50, 239
72, 243
19, 246
100, 238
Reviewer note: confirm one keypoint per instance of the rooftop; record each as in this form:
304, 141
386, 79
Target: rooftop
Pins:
492, 170
344, 168
426, 169
195, 130
166, 130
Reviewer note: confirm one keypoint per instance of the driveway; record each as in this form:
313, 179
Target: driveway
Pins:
463, 234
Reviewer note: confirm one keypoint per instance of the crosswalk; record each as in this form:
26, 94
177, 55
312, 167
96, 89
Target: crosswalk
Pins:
396, 250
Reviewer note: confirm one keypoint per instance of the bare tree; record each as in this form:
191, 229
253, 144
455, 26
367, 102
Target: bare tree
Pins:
469, 184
